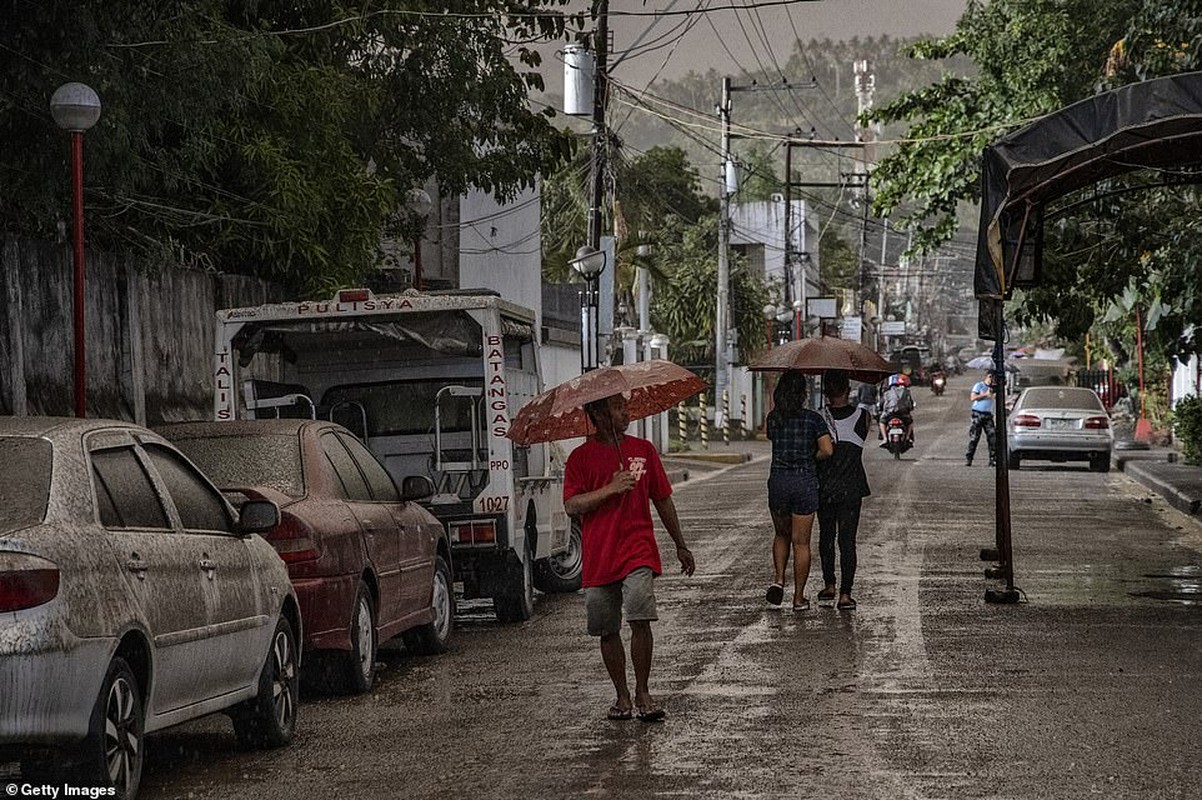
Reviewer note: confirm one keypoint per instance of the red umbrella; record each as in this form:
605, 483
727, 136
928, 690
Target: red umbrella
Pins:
649, 387
813, 356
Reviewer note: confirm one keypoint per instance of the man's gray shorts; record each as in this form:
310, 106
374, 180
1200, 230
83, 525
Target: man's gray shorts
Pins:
632, 597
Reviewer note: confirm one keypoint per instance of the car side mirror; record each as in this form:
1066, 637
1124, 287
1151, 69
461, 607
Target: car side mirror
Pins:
258, 516
416, 487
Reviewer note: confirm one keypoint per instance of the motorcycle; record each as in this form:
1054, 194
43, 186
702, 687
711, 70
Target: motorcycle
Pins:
938, 383
896, 441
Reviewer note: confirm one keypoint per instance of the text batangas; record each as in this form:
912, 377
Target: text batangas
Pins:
494, 379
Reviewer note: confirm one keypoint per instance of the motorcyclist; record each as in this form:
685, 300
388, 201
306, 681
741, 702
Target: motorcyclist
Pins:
896, 401
938, 379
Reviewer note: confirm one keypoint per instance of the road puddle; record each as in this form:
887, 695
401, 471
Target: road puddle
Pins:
1182, 585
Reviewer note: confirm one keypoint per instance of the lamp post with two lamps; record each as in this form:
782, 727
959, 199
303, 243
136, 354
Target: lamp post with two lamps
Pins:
75, 108
590, 263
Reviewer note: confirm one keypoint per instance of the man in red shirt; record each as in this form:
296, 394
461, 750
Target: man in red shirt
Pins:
610, 482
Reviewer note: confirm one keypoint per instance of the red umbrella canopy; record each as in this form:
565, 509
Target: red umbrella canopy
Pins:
649, 387
817, 355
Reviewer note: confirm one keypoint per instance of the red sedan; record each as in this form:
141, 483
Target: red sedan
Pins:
367, 561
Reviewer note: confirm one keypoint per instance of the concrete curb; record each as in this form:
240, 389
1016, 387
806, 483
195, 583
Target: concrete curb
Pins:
1182, 500
677, 475
711, 458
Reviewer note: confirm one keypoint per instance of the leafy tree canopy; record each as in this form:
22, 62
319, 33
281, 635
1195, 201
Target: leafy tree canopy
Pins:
270, 138
1108, 250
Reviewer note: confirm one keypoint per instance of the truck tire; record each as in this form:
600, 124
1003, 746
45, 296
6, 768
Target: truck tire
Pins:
516, 602
562, 574
433, 637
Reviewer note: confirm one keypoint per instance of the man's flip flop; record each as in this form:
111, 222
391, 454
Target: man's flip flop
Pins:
616, 713
651, 714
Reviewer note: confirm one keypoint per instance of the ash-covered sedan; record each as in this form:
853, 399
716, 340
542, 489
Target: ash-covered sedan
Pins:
132, 597
367, 562
1060, 423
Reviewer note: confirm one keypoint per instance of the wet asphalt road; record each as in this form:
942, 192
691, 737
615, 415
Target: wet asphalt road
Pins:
1091, 688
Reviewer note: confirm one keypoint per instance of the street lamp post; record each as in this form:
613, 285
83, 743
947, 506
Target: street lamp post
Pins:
75, 108
419, 202
770, 322
797, 308
589, 262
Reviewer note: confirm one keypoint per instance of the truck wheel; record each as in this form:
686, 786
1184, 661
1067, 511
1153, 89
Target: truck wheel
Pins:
1099, 462
516, 603
269, 720
433, 637
114, 749
358, 667
561, 574
1015, 462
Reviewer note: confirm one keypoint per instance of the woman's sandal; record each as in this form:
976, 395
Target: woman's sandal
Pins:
617, 713
846, 605
826, 598
775, 594
804, 605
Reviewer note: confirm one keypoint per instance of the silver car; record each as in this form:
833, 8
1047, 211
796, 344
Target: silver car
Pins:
132, 597
1059, 423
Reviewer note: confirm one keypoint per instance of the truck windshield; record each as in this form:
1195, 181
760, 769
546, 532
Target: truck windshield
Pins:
399, 408
24, 481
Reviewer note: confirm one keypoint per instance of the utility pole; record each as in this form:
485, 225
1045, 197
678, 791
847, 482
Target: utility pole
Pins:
865, 87
722, 319
600, 92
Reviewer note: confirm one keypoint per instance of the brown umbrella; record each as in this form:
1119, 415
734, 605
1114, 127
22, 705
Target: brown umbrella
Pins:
649, 387
817, 355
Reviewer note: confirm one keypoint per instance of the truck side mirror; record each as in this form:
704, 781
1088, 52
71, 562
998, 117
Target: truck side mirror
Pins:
416, 487
258, 516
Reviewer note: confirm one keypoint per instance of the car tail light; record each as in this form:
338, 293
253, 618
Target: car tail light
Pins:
1097, 423
476, 531
26, 581
293, 540
1026, 421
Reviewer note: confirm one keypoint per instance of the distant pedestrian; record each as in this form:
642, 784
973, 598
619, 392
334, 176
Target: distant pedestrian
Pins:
842, 486
610, 483
799, 440
982, 419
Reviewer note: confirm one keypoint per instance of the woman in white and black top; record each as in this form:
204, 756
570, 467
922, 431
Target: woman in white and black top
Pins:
842, 485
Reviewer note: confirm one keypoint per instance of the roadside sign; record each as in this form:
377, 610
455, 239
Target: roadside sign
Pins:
893, 328
822, 307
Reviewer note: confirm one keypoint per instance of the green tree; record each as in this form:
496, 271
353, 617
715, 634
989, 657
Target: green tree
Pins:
270, 138
1130, 241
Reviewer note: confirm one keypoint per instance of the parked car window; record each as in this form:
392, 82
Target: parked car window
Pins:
200, 507
233, 462
24, 480
378, 479
345, 469
1069, 398
126, 496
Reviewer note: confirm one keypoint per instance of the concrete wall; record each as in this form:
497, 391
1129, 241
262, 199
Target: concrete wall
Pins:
149, 338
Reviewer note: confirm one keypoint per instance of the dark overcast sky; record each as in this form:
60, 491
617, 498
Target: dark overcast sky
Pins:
701, 47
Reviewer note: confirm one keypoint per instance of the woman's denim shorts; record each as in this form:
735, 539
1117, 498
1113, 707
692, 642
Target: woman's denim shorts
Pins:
793, 493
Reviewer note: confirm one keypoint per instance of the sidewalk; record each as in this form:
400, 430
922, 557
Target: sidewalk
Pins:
718, 456
1179, 484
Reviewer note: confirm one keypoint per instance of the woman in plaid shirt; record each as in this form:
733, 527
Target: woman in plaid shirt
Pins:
799, 439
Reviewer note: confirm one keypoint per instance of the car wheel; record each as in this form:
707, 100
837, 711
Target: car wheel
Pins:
433, 637
269, 720
1099, 462
114, 748
1014, 461
516, 602
359, 665
562, 573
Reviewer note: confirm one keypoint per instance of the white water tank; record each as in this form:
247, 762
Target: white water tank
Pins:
579, 69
